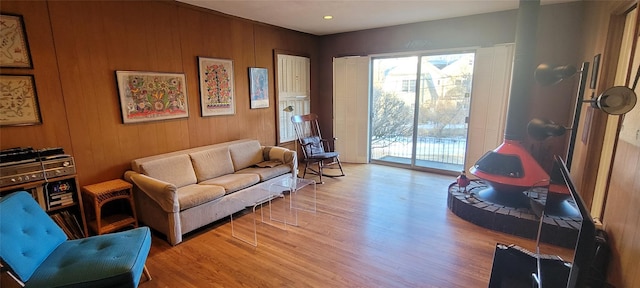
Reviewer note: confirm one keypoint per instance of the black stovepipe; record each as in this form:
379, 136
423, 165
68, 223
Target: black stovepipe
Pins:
523, 68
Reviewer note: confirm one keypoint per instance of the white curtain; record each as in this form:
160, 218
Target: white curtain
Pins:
489, 100
351, 108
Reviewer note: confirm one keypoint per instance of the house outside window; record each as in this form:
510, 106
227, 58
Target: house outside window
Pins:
409, 85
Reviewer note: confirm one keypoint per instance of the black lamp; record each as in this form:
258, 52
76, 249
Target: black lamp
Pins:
547, 75
616, 100
541, 129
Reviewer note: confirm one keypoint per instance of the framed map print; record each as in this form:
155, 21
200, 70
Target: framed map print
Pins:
18, 101
14, 48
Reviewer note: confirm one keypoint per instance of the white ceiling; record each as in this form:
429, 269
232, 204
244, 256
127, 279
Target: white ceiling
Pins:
352, 15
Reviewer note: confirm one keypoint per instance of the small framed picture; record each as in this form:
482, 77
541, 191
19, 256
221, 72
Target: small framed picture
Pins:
18, 101
259, 87
216, 86
14, 51
594, 72
152, 96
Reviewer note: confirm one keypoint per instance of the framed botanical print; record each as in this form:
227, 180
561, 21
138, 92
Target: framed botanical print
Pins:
259, 87
14, 51
217, 95
18, 101
152, 96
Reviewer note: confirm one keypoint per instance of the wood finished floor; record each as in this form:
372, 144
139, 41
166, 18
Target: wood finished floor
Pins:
377, 227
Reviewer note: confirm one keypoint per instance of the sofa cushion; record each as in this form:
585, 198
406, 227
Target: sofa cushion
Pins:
193, 195
176, 170
209, 164
246, 154
266, 173
233, 182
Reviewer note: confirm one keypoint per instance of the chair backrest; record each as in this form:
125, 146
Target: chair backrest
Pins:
308, 134
27, 234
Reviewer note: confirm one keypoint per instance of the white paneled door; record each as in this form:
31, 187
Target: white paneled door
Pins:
293, 92
351, 108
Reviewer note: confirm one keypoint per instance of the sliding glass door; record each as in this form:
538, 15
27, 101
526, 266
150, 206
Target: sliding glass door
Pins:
420, 107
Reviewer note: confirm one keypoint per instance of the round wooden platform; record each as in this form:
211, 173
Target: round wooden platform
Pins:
519, 214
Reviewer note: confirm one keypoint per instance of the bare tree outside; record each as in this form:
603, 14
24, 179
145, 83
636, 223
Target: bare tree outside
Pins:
392, 119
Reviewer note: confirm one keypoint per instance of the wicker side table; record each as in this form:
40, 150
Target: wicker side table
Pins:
103, 193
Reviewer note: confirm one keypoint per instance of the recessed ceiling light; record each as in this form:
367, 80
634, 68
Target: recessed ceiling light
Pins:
328, 17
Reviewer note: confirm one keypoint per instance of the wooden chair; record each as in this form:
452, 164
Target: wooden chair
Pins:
316, 150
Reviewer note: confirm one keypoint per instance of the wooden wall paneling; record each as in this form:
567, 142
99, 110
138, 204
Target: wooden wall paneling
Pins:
78, 108
102, 110
264, 59
265, 131
192, 24
83, 43
54, 131
264, 45
78, 63
67, 28
165, 47
219, 45
630, 181
603, 131
241, 38
158, 37
124, 29
203, 34
88, 79
622, 216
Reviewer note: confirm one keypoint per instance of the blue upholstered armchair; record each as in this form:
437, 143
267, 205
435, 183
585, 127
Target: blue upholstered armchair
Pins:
36, 252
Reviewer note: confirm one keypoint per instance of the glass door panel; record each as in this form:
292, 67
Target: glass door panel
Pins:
420, 106
392, 110
444, 101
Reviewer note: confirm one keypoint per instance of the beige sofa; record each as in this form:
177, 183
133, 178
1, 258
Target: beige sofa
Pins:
180, 191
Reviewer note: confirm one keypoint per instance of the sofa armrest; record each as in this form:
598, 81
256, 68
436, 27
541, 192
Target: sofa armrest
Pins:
284, 155
163, 193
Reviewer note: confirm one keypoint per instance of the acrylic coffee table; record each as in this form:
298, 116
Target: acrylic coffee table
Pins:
273, 209
264, 211
302, 196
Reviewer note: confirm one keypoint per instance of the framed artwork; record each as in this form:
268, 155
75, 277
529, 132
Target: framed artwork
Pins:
587, 124
18, 101
259, 87
217, 95
594, 72
14, 51
152, 96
